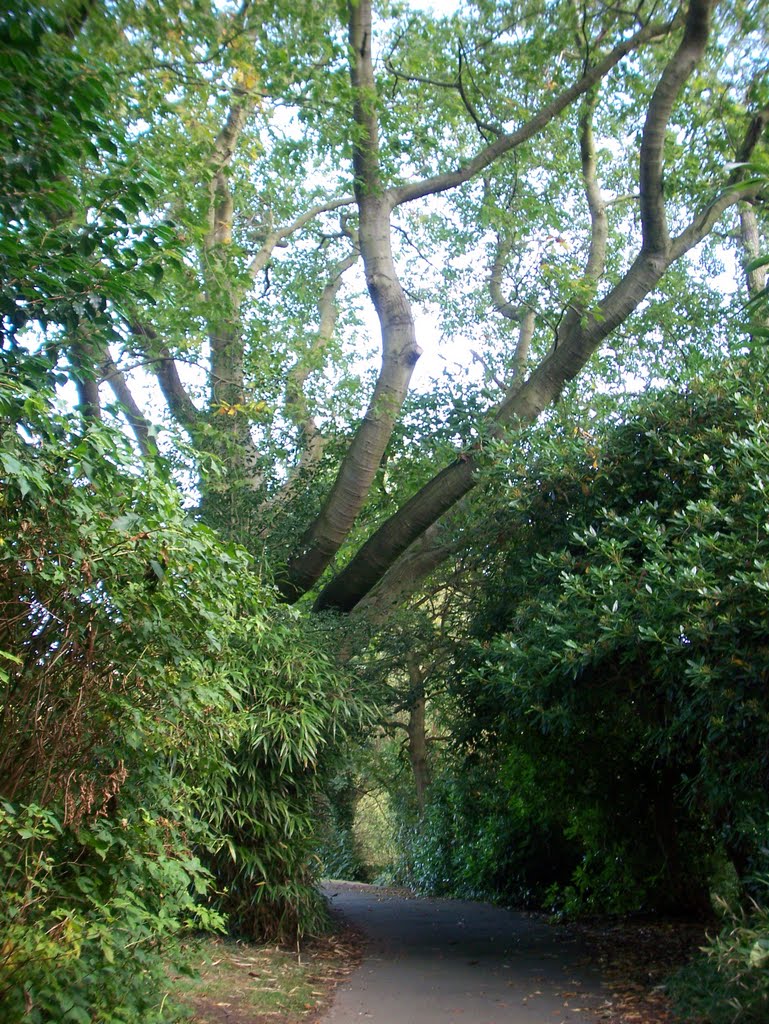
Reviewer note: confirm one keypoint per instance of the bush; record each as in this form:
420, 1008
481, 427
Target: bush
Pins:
296, 706
114, 699
623, 642
730, 982
160, 719
489, 832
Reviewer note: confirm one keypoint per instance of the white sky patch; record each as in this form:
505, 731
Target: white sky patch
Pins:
439, 353
440, 8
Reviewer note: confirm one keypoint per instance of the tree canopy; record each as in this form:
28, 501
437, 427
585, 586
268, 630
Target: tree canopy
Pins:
242, 528
528, 180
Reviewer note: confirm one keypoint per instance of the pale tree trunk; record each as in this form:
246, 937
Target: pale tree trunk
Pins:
400, 350
417, 734
231, 440
755, 278
581, 332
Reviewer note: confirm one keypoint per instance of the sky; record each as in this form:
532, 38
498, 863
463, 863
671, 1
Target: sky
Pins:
439, 354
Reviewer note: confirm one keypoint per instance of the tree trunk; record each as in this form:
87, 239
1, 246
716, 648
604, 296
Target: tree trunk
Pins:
417, 735
400, 350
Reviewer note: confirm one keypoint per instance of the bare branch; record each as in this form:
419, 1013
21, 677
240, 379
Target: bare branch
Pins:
599, 221
162, 364
677, 71
509, 141
438, 83
501, 305
225, 144
489, 370
733, 193
297, 409
179, 402
483, 127
275, 238
296, 402
525, 335
114, 376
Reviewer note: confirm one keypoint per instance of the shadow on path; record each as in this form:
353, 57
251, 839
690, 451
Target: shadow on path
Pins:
430, 960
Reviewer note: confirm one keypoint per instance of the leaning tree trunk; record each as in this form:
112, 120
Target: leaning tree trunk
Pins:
400, 350
578, 338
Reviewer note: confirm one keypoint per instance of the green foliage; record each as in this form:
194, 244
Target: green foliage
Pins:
295, 703
113, 698
614, 688
89, 913
642, 639
489, 832
610, 715
338, 851
75, 250
157, 713
730, 982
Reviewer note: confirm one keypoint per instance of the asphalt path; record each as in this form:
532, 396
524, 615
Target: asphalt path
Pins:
456, 962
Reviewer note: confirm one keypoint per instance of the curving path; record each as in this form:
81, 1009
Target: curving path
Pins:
454, 962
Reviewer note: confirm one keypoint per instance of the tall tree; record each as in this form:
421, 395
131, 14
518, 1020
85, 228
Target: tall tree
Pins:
288, 149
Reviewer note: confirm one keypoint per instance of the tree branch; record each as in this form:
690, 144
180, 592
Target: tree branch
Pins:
84, 371
296, 403
676, 73
733, 193
274, 238
163, 366
599, 221
399, 347
525, 335
179, 402
297, 409
509, 141
526, 402
480, 124
755, 280
114, 376
501, 305
405, 576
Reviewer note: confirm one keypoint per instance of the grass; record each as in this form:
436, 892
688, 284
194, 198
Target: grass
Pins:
243, 983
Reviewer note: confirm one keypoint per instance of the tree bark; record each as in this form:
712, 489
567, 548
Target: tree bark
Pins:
138, 422
755, 279
579, 335
400, 350
417, 733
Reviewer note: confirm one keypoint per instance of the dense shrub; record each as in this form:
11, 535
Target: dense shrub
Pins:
489, 832
729, 982
295, 705
157, 712
338, 851
623, 643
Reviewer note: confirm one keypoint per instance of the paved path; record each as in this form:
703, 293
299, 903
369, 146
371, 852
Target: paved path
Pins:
432, 960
